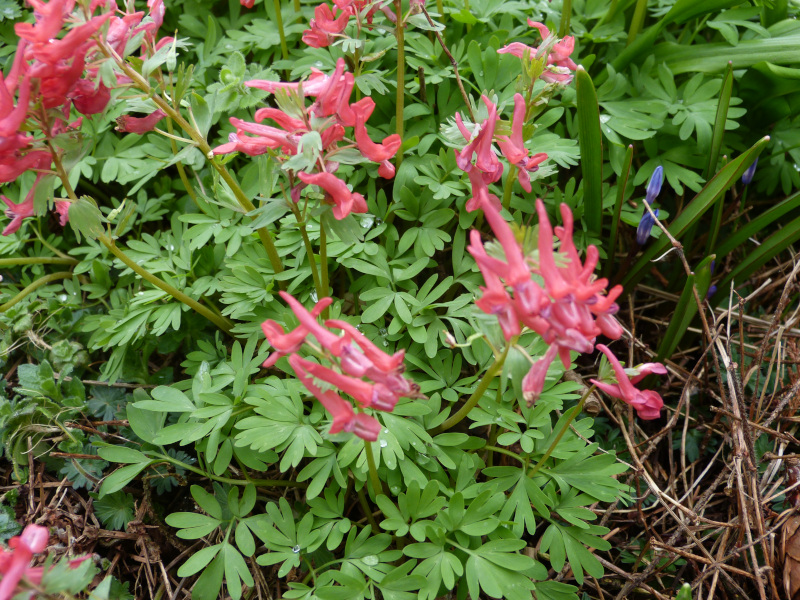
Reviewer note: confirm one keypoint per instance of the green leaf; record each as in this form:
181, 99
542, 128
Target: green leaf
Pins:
167, 399
720, 120
591, 144
85, 218
120, 478
122, 454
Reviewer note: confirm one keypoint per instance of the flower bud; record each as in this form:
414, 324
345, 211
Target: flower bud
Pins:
645, 227
654, 186
749, 173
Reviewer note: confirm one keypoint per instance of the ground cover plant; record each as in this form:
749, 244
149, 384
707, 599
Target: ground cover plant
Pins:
399, 300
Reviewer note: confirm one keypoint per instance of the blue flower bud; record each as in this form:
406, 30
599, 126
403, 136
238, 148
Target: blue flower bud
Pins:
654, 186
748, 175
645, 227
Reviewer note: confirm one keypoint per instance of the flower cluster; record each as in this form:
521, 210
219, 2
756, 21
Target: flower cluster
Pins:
15, 564
328, 116
356, 359
329, 23
487, 168
51, 75
559, 65
569, 311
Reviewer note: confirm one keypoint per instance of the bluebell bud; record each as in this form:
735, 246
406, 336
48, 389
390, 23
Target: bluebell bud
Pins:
751, 171
645, 226
654, 186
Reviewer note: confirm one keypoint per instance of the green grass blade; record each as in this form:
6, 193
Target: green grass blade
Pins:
713, 58
719, 121
768, 250
695, 209
622, 183
741, 235
591, 145
686, 308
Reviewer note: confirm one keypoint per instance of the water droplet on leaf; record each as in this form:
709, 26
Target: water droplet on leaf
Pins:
370, 560
383, 443
296, 549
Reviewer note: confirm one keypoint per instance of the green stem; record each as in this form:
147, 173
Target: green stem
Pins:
637, 21
256, 482
37, 260
35, 286
509, 185
309, 250
567, 423
296, 5
506, 452
365, 507
401, 75
566, 15
440, 8
279, 21
483, 385
204, 147
323, 259
221, 322
373, 471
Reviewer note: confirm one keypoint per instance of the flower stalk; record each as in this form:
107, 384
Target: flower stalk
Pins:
401, 74
473, 400
33, 287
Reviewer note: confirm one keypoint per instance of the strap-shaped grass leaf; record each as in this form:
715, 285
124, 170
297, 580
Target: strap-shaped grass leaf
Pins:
686, 308
695, 210
769, 249
591, 144
682, 11
622, 183
719, 121
760, 223
712, 58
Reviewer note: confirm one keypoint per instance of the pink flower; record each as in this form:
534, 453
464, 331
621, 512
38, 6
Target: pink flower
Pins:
281, 118
308, 320
140, 125
286, 343
368, 395
325, 20
561, 51
89, 100
379, 153
247, 3
375, 357
15, 565
480, 144
647, 403
480, 193
19, 212
533, 382
344, 419
337, 193
62, 209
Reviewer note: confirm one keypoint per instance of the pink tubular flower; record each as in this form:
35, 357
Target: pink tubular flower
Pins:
286, 343
247, 3
62, 209
378, 359
339, 409
379, 153
15, 565
337, 193
89, 100
647, 403
325, 19
533, 382
139, 125
19, 212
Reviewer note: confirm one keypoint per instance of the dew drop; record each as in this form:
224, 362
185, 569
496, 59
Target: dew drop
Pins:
383, 443
383, 331
63, 297
170, 247
314, 296
395, 489
370, 560
385, 343
386, 430
378, 221
367, 221
296, 549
